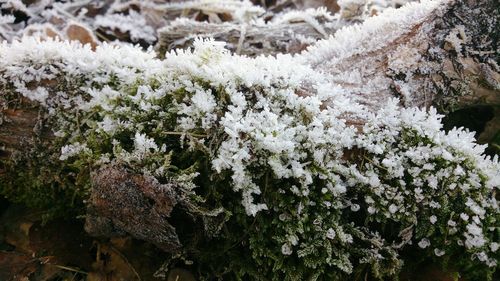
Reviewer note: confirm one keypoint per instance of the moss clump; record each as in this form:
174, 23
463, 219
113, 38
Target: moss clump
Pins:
304, 195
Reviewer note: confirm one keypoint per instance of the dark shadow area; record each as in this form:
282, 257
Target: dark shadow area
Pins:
472, 118
480, 120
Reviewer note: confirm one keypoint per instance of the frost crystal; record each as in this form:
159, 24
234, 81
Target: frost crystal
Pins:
74, 149
133, 23
439, 252
330, 233
424, 243
286, 249
433, 219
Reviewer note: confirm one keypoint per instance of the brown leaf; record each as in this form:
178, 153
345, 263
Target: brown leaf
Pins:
15, 225
16, 266
123, 201
78, 32
111, 265
64, 240
44, 31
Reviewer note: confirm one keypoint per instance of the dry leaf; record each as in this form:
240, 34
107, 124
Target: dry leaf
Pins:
78, 32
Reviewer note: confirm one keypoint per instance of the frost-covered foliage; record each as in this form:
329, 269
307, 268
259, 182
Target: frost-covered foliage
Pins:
124, 20
59, 14
267, 139
242, 10
5, 26
133, 23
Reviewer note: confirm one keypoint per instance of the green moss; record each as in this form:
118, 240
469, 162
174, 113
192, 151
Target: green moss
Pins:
39, 180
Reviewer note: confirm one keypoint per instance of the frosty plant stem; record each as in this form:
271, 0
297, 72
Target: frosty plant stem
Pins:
265, 141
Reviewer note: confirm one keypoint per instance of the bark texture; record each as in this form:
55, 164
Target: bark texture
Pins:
123, 202
18, 126
449, 59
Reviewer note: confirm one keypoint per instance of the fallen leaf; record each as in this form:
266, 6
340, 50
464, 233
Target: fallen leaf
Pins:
111, 265
78, 32
16, 266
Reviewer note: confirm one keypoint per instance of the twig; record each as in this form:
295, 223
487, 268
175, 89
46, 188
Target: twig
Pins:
70, 269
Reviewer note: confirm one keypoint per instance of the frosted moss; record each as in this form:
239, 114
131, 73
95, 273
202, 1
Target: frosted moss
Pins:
267, 140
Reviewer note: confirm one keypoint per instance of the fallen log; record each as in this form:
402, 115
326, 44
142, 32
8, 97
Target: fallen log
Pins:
122, 106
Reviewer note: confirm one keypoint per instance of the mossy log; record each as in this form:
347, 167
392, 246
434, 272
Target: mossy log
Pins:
445, 56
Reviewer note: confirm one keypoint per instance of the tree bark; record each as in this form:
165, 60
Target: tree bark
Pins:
124, 202
448, 58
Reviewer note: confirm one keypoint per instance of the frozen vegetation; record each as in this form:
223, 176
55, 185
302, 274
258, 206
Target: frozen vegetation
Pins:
270, 140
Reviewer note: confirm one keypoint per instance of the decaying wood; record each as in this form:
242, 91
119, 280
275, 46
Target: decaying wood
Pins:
246, 39
449, 60
20, 126
423, 66
138, 205
17, 127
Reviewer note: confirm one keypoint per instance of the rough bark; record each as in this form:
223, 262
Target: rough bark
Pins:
449, 59
18, 125
434, 71
123, 202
